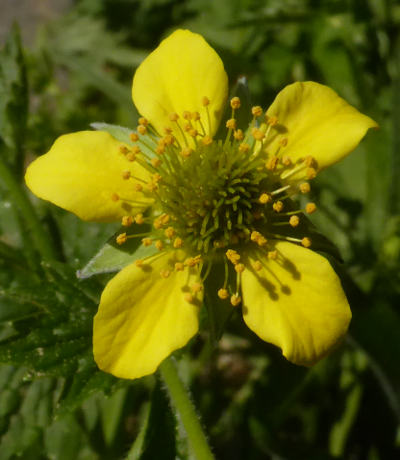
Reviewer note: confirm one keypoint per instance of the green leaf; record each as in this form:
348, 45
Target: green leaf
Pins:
121, 133
13, 92
113, 257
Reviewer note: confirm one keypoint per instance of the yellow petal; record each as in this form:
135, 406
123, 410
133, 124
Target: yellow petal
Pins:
316, 122
175, 77
82, 172
297, 303
143, 317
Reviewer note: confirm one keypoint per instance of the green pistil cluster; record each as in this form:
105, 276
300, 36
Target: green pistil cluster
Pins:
212, 196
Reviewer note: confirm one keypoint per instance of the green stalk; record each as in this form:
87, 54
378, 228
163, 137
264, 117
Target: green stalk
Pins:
181, 401
28, 213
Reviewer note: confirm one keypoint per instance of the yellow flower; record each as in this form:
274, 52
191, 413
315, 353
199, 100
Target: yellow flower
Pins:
208, 201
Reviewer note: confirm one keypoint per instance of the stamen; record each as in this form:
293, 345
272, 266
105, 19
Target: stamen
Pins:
127, 221
310, 208
294, 221
235, 300
256, 111
306, 242
121, 238
235, 103
223, 293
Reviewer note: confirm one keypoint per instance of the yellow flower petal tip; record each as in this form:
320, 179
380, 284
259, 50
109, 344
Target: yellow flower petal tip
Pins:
82, 173
317, 122
296, 302
146, 312
176, 78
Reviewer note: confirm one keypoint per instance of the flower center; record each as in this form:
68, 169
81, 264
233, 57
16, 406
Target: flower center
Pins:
217, 198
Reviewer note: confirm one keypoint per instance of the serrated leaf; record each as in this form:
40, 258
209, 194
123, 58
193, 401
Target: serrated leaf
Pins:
122, 134
113, 257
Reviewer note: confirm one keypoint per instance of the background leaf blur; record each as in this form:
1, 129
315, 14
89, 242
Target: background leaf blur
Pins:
74, 68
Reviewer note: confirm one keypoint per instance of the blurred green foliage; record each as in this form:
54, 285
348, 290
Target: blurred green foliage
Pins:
54, 403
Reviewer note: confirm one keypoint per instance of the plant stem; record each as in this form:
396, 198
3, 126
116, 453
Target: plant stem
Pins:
181, 401
28, 212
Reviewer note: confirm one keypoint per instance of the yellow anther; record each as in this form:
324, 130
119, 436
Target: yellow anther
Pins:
169, 232
223, 293
235, 102
160, 149
304, 187
306, 242
167, 130
133, 137
310, 161
178, 242
238, 135
231, 123
196, 287
272, 121
277, 206
139, 263
195, 116
273, 255
123, 149
187, 115
165, 273
205, 101
235, 300
179, 266
257, 265
188, 297
121, 238
294, 221
258, 238
243, 147
257, 134
207, 140
155, 162
286, 160
115, 197
139, 219
283, 142
147, 242
272, 163
135, 149
130, 156
141, 129
239, 268
159, 245
264, 198
187, 127
143, 121
169, 139
311, 173
126, 175
165, 218
256, 111
127, 221
193, 132
193, 261
156, 178
186, 152
173, 116
232, 256
137, 187
310, 208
